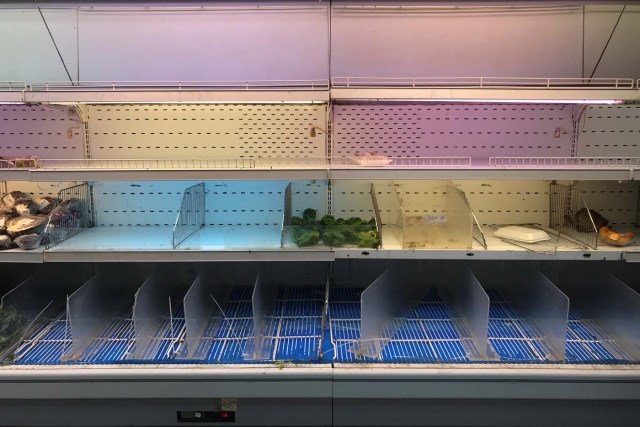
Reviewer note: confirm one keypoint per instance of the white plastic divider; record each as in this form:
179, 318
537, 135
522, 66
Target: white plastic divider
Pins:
469, 300
154, 302
206, 301
42, 297
270, 278
534, 296
602, 298
385, 304
262, 302
100, 300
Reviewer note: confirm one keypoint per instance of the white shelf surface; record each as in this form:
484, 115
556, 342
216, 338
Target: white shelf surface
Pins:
263, 243
496, 249
19, 255
583, 169
154, 244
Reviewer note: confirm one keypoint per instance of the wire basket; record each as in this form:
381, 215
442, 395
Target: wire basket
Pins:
73, 215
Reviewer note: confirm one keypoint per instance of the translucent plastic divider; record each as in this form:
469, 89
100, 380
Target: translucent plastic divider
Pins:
606, 301
385, 304
390, 213
155, 302
272, 277
11, 322
536, 300
100, 300
435, 215
262, 302
206, 302
190, 218
470, 302
41, 299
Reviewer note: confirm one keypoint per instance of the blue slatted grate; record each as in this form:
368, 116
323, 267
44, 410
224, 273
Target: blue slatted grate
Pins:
294, 332
510, 334
430, 333
587, 343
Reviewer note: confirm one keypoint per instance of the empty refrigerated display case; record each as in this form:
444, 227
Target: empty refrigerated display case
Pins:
304, 214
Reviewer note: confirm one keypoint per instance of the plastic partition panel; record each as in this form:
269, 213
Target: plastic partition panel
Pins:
99, 301
262, 301
153, 303
41, 299
539, 300
471, 303
459, 221
392, 296
390, 214
207, 299
536, 300
608, 302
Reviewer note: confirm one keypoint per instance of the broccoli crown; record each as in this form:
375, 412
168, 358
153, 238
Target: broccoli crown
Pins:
306, 237
333, 237
309, 213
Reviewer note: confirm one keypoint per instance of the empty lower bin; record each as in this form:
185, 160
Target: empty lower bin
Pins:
252, 313
158, 313
604, 314
34, 313
415, 312
527, 312
100, 315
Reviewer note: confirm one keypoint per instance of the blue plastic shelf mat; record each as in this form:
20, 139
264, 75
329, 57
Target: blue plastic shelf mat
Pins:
429, 334
587, 343
295, 332
510, 334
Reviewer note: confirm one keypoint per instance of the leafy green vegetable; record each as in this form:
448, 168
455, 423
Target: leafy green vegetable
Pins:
296, 220
333, 237
328, 220
306, 238
309, 213
10, 322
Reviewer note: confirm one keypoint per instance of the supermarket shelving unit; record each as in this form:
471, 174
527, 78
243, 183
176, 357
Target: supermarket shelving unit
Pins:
214, 327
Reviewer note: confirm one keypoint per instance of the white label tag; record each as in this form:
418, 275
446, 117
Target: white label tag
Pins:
229, 404
434, 219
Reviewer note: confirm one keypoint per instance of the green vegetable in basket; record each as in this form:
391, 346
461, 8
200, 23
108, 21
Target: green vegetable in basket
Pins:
328, 220
309, 213
368, 239
333, 237
296, 220
353, 221
306, 237
350, 235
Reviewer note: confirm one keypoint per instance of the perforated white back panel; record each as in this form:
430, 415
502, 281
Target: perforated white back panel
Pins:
47, 132
609, 131
479, 131
508, 202
206, 131
227, 203
493, 201
617, 202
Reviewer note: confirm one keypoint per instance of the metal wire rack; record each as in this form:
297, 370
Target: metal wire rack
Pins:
511, 335
73, 215
432, 332
587, 343
294, 333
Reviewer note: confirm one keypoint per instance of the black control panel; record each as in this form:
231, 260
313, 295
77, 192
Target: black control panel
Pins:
206, 416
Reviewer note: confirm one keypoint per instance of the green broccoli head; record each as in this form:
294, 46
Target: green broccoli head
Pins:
328, 220
309, 213
306, 237
333, 237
